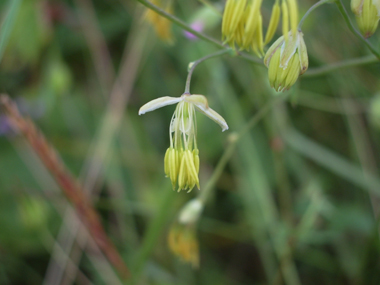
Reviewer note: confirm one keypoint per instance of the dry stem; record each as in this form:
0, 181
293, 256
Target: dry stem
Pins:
67, 182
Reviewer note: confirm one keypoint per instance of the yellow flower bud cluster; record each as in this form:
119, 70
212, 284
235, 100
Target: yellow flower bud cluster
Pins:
161, 25
367, 14
243, 23
286, 61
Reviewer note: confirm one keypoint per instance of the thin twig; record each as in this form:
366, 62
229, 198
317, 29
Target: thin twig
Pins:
311, 9
200, 35
180, 23
319, 71
66, 181
194, 64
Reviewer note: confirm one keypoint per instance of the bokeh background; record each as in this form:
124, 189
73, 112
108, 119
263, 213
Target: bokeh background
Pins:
297, 203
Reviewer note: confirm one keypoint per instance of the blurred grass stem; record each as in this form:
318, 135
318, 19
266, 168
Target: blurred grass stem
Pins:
67, 182
326, 69
234, 138
352, 28
7, 25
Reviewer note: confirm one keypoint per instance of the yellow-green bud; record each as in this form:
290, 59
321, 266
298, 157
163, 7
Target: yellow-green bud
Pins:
286, 61
367, 15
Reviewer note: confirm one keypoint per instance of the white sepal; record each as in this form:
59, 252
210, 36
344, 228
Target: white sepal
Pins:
158, 103
200, 102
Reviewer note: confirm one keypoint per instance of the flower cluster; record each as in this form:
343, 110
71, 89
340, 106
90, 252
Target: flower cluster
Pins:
182, 157
242, 23
367, 14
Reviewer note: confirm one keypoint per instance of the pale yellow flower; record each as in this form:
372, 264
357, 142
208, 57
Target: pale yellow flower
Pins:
182, 157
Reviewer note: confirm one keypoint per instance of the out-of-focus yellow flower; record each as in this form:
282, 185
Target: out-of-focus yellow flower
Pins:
182, 157
161, 25
182, 239
286, 61
183, 242
243, 23
367, 14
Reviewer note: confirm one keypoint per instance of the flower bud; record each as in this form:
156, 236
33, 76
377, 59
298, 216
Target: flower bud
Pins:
286, 61
367, 15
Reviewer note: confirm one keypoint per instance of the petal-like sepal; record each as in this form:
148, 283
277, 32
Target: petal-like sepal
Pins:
201, 103
158, 103
357, 6
270, 52
288, 49
302, 52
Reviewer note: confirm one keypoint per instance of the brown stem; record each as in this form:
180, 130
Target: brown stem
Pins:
67, 182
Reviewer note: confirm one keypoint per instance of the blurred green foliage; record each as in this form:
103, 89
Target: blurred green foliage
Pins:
298, 202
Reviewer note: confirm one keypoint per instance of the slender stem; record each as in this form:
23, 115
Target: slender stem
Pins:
311, 9
344, 13
200, 35
205, 193
180, 23
234, 139
318, 71
194, 64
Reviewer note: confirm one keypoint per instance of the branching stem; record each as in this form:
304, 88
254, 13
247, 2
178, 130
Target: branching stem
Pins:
194, 64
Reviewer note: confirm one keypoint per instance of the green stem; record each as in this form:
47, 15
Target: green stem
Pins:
344, 13
205, 193
200, 35
234, 139
311, 9
194, 64
180, 23
318, 71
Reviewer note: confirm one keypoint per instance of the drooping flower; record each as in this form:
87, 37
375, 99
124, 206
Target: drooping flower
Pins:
243, 23
286, 61
182, 157
367, 14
